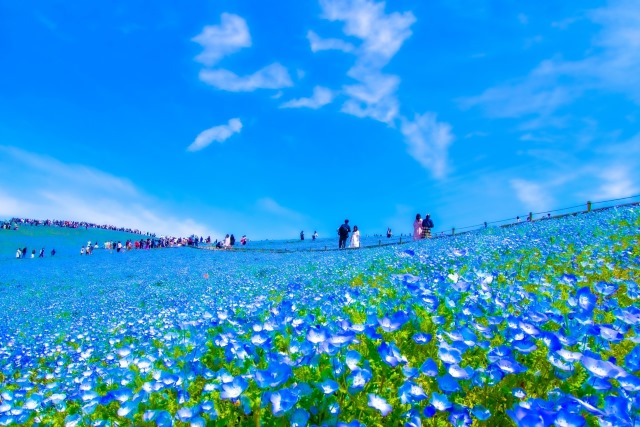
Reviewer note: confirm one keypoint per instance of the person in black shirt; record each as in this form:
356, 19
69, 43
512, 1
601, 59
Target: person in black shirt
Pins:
343, 232
427, 225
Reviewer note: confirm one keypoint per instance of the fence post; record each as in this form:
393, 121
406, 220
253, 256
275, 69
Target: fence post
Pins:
530, 216
379, 242
453, 231
589, 206
400, 240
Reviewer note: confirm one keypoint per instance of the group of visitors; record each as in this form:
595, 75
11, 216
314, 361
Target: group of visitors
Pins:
229, 241
22, 253
13, 223
314, 236
422, 227
343, 233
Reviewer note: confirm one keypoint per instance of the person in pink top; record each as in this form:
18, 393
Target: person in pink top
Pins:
417, 228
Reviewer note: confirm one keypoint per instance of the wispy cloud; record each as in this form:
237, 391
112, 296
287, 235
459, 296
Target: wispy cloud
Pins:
230, 36
273, 76
217, 133
611, 65
428, 141
321, 97
318, 44
381, 35
532, 195
270, 206
49, 188
220, 40
616, 181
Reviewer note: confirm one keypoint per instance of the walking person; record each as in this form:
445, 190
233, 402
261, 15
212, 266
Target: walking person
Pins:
355, 238
343, 232
427, 225
417, 228
19, 253
41, 253
302, 235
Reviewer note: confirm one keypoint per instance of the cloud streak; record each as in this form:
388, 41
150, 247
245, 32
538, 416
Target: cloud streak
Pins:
273, 76
221, 40
49, 188
216, 134
428, 141
321, 97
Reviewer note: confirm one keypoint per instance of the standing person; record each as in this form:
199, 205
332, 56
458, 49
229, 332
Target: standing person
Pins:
53, 251
232, 240
355, 238
82, 250
388, 232
343, 232
19, 253
227, 241
33, 253
314, 236
41, 253
302, 235
427, 225
24, 252
417, 228
243, 239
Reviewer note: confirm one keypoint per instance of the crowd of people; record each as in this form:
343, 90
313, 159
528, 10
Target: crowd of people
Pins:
229, 241
14, 223
22, 253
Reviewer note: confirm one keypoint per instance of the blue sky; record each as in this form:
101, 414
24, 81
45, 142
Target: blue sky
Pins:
265, 118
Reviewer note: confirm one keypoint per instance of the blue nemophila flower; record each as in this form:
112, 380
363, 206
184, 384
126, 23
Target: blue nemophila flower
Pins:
358, 379
629, 315
525, 346
449, 354
481, 413
421, 338
342, 339
393, 323
276, 375
410, 372
617, 406
498, 353
380, 404
411, 393
604, 288
429, 368
281, 401
429, 411
519, 393
602, 368
460, 373
185, 414
317, 334
586, 300
328, 386
440, 402
390, 354
460, 417
630, 383
233, 389
448, 384
300, 418
510, 366
352, 358
566, 418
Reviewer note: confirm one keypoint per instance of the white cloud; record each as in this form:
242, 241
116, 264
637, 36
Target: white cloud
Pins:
220, 40
270, 206
321, 97
273, 76
611, 65
51, 189
532, 195
381, 37
428, 141
615, 182
317, 43
217, 133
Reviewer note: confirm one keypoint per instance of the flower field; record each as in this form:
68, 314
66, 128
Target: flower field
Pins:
531, 325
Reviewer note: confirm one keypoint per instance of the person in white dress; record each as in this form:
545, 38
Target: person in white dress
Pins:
355, 238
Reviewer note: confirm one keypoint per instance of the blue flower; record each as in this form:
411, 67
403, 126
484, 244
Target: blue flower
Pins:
421, 338
358, 379
328, 386
276, 375
605, 288
429, 368
281, 401
380, 404
390, 354
448, 384
393, 323
440, 402
300, 418
586, 300
233, 389
602, 368
481, 413
317, 334
411, 393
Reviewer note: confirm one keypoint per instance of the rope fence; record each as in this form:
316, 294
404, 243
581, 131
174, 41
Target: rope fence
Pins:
507, 222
